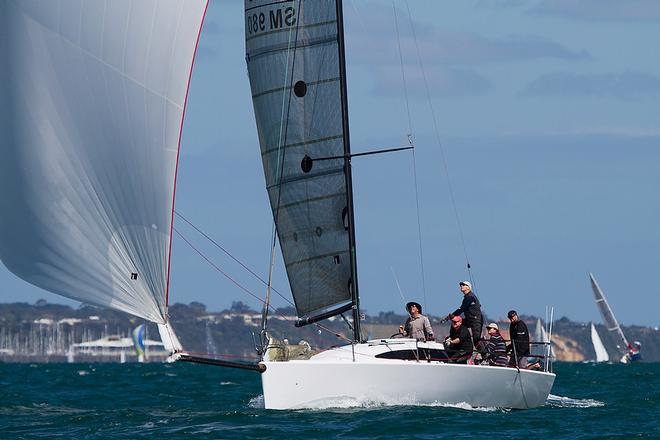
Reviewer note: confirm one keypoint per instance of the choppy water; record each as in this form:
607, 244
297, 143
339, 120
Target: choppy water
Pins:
112, 401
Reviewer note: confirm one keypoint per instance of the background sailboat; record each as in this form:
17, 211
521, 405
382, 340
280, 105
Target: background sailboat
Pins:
93, 97
599, 348
541, 335
627, 351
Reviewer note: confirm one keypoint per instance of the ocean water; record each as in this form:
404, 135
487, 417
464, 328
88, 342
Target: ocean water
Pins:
160, 401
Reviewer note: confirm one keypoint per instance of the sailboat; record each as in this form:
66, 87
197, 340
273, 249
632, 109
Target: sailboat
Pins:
628, 352
93, 98
296, 65
599, 348
543, 341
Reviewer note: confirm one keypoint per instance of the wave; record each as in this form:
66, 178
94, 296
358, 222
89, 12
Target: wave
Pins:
257, 402
344, 403
568, 402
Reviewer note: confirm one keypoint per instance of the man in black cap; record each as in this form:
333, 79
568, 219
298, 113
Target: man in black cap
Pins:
417, 326
471, 309
519, 335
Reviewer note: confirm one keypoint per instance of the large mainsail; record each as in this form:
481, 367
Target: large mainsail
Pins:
294, 53
611, 323
92, 96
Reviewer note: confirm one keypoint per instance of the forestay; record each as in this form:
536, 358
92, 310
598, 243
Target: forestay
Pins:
606, 312
92, 96
293, 58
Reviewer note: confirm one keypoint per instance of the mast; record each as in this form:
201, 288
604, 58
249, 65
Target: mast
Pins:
348, 174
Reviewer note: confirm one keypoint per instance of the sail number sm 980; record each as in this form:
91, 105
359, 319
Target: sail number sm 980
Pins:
272, 20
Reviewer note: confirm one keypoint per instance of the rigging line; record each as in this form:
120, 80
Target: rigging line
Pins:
419, 228
403, 74
284, 317
439, 142
226, 275
216, 267
216, 244
396, 280
412, 143
284, 127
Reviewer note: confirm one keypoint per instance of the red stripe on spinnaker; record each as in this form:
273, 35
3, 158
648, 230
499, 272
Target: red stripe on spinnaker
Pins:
178, 150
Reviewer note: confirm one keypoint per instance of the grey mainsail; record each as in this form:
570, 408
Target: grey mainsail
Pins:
294, 54
608, 316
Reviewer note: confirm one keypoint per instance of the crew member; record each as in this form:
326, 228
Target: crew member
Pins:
458, 344
471, 309
519, 335
495, 346
417, 326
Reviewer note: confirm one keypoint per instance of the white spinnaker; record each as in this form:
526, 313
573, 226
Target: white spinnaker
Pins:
599, 348
92, 95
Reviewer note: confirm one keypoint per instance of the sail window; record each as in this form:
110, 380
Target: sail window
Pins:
300, 89
319, 231
336, 259
295, 236
344, 217
306, 164
134, 275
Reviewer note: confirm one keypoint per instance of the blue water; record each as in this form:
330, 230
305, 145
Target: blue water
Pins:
131, 401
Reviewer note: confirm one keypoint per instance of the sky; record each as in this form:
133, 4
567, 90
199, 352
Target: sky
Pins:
537, 133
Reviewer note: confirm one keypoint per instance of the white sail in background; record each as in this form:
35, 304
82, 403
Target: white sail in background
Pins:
293, 57
92, 97
599, 348
611, 323
540, 335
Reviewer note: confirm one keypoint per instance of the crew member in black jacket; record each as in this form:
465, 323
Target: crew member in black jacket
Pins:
471, 309
519, 335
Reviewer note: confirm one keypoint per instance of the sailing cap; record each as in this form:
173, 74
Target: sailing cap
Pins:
414, 303
511, 314
457, 319
493, 325
466, 283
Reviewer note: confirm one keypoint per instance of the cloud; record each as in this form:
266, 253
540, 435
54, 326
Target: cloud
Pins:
444, 82
600, 10
626, 85
448, 47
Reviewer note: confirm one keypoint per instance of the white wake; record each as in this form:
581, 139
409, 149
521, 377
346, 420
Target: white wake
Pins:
342, 403
568, 402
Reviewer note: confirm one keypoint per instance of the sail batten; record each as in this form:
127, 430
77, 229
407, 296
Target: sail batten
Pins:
93, 97
294, 65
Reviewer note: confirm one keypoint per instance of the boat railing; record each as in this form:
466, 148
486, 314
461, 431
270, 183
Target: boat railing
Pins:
423, 353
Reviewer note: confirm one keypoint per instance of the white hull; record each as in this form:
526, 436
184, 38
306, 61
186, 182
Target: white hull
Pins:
333, 376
